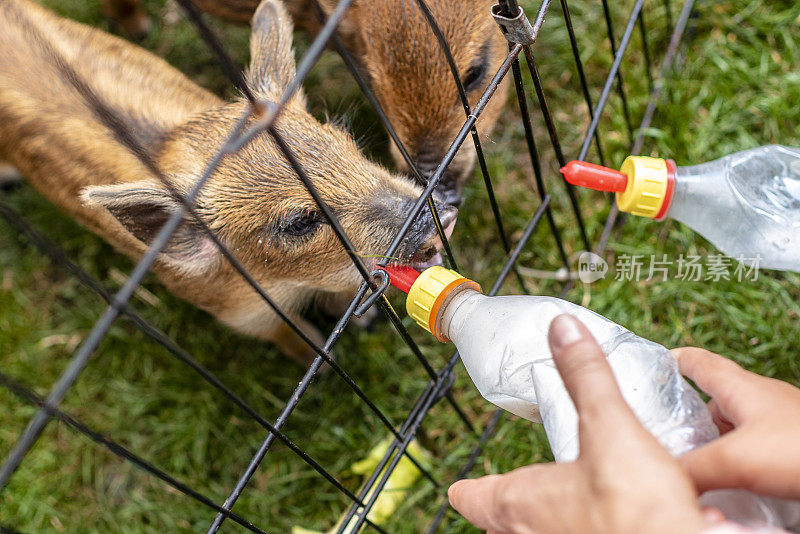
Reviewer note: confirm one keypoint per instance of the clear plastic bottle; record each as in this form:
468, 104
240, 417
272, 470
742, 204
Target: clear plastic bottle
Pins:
503, 344
747, 204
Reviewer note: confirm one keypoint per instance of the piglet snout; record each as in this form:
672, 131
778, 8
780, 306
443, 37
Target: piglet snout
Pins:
428, 254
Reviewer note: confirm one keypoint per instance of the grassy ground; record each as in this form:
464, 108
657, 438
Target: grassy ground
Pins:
737, 87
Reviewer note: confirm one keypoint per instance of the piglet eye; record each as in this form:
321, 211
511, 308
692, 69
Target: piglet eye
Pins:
301, 224
474, 76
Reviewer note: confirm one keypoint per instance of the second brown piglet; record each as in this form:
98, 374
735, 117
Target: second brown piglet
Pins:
406, 67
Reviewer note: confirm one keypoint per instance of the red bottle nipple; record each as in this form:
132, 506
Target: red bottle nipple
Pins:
595, 177
401, 276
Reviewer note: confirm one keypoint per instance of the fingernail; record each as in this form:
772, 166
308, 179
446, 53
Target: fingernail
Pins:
564, 330
453, 489
712, 515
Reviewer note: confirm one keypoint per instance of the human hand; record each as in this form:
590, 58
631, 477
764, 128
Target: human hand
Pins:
759, 419
623, 481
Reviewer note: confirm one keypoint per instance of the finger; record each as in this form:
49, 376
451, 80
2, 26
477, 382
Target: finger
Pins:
472, 498
507, 503
715, 465
586, 373
718, 417
722, 379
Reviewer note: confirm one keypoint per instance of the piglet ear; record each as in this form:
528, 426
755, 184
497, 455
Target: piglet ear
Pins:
142, 208
272, 64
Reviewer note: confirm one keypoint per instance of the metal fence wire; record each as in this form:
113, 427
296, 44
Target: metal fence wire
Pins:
259, 118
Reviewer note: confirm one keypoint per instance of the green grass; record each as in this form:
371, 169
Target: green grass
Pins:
736, 87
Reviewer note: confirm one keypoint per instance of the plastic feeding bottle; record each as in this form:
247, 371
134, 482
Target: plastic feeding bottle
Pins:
503, 344
747, 204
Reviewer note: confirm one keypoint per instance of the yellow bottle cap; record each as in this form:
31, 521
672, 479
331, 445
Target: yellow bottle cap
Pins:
430, 292
647, 186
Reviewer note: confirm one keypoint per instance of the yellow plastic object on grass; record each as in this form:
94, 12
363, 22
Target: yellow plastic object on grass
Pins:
397, 487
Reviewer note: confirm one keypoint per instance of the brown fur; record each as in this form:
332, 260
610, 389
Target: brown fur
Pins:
254, 201
408, 71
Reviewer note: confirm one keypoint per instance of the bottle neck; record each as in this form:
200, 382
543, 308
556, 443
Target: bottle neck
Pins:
696, 189
455, 310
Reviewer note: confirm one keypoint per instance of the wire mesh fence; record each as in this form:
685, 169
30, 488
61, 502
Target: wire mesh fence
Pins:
260, 119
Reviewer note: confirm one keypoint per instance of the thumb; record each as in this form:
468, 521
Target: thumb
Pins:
587, 375
474, 498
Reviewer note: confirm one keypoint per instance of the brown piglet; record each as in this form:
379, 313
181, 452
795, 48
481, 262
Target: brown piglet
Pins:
401, 58
254, 201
